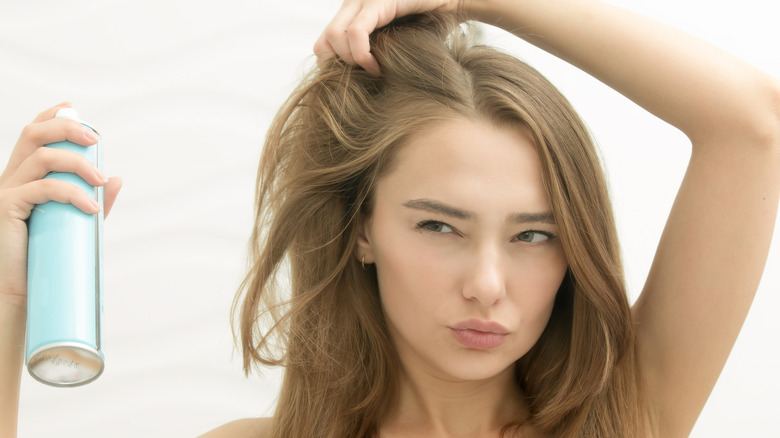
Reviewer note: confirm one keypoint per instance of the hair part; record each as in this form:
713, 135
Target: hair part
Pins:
327, 147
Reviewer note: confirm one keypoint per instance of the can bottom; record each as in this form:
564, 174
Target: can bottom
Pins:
65, 364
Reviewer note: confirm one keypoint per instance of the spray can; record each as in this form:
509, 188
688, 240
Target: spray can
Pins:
65, 283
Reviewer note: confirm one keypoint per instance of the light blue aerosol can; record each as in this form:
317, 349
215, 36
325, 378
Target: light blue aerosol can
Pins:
65, 283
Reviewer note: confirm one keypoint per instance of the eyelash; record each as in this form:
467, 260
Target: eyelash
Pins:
424, 226
549, 237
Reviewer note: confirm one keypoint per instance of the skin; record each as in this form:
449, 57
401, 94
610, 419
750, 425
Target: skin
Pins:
437, 268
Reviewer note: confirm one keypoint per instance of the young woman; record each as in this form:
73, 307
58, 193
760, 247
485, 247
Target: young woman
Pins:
440, 215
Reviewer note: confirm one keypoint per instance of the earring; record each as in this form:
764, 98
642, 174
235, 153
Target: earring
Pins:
363, 262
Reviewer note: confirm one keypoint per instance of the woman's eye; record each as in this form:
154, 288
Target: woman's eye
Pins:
533, 236
436, 227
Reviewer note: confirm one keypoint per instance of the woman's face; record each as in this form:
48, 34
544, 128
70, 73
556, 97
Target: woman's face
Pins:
465, 247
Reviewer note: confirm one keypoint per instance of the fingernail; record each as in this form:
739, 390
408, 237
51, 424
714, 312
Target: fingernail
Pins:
91, 135
101, 175
95, 204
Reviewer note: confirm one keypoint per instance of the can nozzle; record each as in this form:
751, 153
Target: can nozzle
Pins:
70, 113
67, 113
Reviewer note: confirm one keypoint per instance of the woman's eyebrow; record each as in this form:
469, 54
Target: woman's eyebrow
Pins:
447, 210
438, 207
525, 218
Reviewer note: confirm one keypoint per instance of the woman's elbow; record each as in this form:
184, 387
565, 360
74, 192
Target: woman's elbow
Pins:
766, 117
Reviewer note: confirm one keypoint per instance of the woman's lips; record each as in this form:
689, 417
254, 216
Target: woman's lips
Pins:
479, 334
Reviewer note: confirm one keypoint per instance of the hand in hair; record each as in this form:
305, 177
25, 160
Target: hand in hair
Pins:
346, 36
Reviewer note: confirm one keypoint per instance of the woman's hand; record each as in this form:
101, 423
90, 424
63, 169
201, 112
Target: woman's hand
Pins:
347, 34
22, 187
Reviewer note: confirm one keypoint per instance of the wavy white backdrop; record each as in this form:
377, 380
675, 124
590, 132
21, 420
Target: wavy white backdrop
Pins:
183, 91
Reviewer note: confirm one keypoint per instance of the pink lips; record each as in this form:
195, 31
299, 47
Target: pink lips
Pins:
479, 334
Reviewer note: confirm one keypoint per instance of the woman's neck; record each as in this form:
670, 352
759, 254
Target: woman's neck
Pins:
433, 407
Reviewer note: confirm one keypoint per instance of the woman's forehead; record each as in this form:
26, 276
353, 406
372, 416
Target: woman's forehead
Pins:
466, 161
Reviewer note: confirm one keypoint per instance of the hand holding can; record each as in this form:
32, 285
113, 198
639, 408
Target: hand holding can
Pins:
65, 281
22, 187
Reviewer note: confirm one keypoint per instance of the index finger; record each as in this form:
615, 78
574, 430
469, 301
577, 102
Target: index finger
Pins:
333, 39
358, 35
51, 112
53, 130
47, 131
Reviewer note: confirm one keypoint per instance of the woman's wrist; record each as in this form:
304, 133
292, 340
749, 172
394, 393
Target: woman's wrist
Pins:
479, 10
499, 13
12, 296
13, 319
10, 303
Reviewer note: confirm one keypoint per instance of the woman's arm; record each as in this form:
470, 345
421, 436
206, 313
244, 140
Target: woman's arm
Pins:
713, 250
12, 327
684, 81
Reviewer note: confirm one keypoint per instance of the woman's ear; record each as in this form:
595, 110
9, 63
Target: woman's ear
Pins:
364, 250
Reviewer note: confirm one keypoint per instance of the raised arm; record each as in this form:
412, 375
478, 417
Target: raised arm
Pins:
713, 250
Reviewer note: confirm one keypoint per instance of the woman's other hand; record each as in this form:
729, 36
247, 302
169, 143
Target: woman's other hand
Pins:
346, 36
22, 187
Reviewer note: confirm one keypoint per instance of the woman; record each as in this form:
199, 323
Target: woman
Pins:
451, 247
403, 167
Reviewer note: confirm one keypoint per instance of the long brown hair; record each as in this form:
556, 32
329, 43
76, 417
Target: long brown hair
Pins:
308, 305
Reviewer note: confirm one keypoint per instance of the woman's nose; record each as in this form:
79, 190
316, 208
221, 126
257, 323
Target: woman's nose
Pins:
484, 278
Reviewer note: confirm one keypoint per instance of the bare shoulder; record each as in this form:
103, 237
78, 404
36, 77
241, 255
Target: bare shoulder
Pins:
246, 427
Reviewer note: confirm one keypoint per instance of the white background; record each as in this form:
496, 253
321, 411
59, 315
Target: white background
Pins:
183, 91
